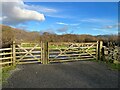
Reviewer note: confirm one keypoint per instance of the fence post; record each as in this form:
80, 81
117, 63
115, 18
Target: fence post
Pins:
45, 53
11, 54
41, 51
97, 51
100, 51
103, 53
48, 53
14, 55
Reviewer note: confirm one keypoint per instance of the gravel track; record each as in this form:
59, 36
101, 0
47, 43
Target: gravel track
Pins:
80, 74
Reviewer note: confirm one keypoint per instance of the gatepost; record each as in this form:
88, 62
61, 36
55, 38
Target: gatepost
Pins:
14, 53
45, 53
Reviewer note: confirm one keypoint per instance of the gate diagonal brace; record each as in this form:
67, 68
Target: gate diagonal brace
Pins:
90, 47
27, 52
85, 50
89, 52
62, 52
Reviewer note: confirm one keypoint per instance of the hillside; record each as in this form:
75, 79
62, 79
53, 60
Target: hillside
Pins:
9, 34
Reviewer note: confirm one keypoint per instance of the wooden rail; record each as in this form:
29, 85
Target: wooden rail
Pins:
28, 53
74, 51
47, 52
6, 56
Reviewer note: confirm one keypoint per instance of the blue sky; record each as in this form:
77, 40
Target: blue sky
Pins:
93, 18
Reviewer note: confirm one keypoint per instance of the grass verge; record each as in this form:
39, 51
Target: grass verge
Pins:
112, 66
6, 73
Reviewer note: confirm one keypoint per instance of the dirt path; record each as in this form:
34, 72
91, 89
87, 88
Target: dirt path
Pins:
81, 74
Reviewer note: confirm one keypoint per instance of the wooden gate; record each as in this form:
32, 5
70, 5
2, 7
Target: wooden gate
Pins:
28, 53
60, 52
47, 52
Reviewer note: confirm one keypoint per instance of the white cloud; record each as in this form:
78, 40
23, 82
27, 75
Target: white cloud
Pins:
61, 23
108, 28
115, 26
106, 31
15, 13
60, 16
98, 29
95, 20
41, 9
73, 24
63, 29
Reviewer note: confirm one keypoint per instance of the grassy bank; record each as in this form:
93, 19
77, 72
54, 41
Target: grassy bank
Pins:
6, 73
112, 66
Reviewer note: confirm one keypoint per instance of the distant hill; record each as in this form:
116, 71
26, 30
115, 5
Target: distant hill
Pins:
10, 34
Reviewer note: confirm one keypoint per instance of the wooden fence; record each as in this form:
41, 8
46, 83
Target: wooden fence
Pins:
48, 52
6, 56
